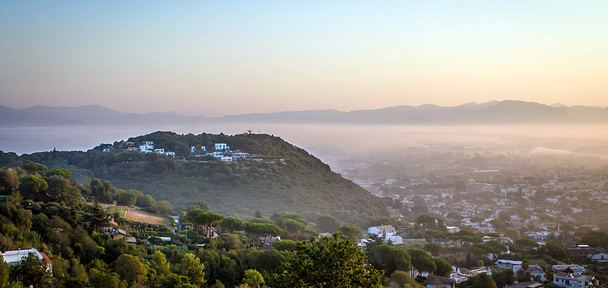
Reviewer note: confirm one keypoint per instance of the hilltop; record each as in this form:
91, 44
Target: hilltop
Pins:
275, 176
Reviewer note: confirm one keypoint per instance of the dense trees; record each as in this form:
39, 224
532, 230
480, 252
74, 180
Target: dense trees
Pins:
130, 269
330, 262
9, 180
33, 187
350, 232
232, 224
443, 267
513, 234
422, 261
76, 252
402, 278
481, 280
202, 219
327, 224
390, 258
433, 248
192, 267
68, 231
34, 168
526, 244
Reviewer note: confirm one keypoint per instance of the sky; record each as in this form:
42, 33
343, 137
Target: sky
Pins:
235, 57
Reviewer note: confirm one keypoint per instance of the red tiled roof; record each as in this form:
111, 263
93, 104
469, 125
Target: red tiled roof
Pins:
46, 258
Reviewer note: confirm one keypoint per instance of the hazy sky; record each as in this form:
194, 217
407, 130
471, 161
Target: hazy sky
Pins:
262, 56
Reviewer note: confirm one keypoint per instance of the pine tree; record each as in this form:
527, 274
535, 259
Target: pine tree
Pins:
98, 218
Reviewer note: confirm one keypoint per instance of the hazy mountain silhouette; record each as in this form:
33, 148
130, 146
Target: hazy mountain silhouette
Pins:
493, 112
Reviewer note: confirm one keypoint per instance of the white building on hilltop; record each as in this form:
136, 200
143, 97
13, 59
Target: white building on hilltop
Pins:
221, 147
146, 147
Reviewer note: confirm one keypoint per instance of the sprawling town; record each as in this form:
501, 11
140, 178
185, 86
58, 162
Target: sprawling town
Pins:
529, 205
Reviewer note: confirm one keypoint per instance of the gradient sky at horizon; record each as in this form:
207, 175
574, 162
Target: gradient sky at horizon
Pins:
232, 57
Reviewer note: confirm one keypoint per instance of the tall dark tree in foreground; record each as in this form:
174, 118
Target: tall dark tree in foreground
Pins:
97, 216
33, 271
329, 262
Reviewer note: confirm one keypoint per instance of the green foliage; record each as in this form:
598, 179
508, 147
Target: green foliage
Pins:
350, 232
403, 280
175, 281
288, 179
433, 248
285, 245
163, 208
4, 271
104, 279
203, 205
218, 284
130, 269
33, 187
429, 222
34, 168
513, 234
9, 180
498, 224
59, 171
481, 280
422, 261
9, 159
526, 243
128, 197
443, 267
232, 224
253, 278
145, 201
503, 277
293, 224
192, 267
160, 264
327, 224
33, 271
390, 258
331, 262
556, 250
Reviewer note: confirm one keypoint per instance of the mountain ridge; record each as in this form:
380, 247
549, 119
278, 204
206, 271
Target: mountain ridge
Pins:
491, 112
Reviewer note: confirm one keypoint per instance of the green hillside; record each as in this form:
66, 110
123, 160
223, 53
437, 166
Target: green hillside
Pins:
276, 176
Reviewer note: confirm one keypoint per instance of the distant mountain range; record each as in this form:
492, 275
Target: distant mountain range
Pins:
493, 112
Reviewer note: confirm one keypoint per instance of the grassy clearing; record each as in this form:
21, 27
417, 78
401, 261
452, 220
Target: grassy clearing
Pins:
147, 217
135, 214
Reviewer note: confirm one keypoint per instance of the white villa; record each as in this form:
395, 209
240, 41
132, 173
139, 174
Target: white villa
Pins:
146, 147
16, 256
387, 232
221, 147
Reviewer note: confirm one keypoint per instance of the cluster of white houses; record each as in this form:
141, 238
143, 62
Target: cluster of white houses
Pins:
148, 147
386, 232
222, 151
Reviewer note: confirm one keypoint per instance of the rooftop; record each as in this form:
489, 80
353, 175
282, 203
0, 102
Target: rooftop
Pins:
435, 280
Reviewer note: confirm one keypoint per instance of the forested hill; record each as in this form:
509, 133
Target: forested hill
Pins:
275, 177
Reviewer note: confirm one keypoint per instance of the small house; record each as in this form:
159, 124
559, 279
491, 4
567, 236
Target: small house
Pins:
433, 281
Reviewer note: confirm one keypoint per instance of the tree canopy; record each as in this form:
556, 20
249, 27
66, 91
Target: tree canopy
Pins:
330, 262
